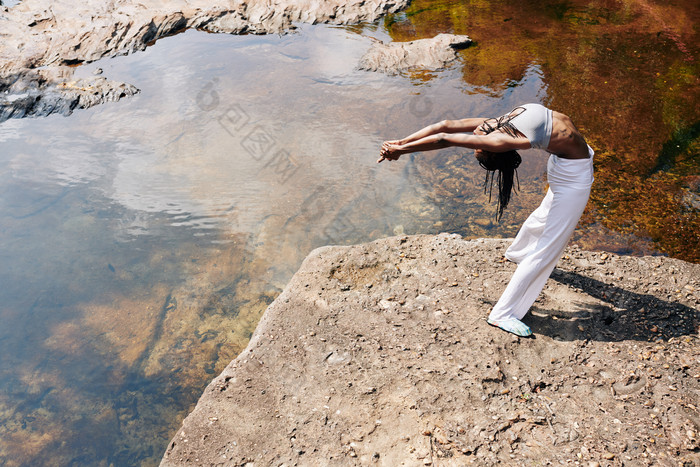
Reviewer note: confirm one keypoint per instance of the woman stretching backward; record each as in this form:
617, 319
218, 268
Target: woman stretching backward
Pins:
544, 235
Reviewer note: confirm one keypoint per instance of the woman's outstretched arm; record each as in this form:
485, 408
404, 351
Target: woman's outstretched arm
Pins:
494, 142
464, 125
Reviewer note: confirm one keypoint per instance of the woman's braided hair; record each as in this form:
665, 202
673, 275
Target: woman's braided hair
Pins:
505, 163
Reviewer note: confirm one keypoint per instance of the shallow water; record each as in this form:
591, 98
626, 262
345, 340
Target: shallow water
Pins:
140, 241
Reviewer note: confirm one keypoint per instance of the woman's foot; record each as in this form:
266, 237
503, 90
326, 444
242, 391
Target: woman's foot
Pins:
512, 325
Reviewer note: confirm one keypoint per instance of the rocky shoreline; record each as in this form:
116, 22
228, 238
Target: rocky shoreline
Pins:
380, 354
41, 42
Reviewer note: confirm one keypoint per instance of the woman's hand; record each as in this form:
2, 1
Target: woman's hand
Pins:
391, 151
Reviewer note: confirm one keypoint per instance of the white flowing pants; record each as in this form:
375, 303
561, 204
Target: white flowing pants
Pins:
543, 237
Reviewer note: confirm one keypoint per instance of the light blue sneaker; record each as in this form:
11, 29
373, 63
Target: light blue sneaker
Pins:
512, 325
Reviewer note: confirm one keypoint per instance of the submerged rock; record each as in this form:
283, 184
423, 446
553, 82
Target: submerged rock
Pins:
427, 54
380, 354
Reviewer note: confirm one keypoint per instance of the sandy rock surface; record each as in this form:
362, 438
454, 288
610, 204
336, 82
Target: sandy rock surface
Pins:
427, 54
379, 354
38, 34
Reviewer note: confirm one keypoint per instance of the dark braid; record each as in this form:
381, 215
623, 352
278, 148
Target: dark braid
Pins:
505, 163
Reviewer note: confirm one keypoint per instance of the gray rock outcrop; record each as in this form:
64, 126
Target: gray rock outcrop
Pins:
35, 95
426, 54
379, 354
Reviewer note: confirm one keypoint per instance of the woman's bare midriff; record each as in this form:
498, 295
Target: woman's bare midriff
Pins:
566, 142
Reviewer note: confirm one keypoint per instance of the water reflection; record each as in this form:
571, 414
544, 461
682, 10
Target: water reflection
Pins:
142, 240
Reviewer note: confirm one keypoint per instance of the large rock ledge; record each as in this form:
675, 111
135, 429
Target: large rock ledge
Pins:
380, 354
